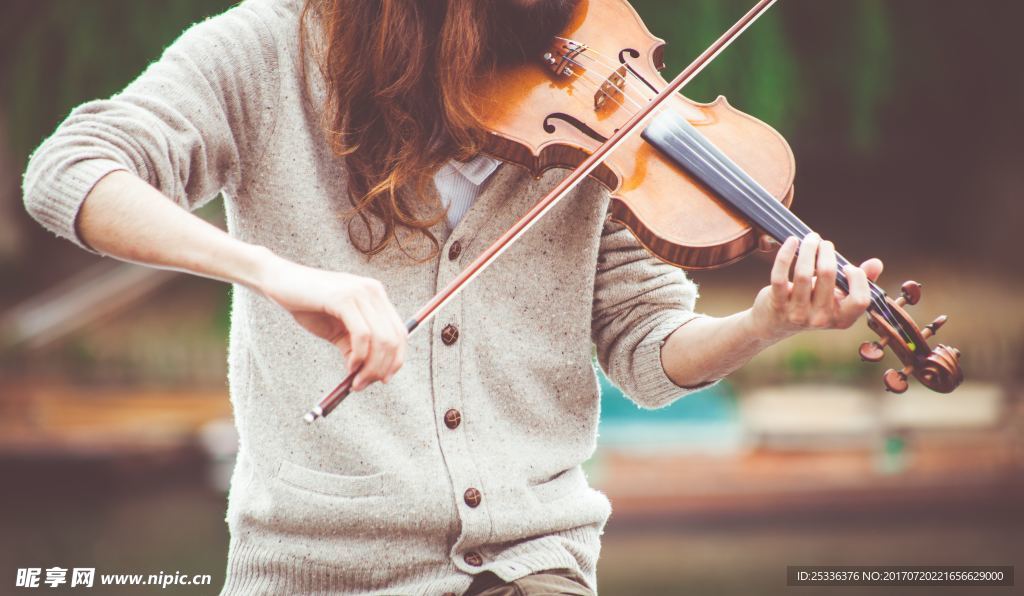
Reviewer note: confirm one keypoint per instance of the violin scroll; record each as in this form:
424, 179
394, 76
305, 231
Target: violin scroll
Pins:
937, 368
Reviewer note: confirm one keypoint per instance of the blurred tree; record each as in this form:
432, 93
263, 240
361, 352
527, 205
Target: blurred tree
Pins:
55, 54
10, 235
765, 73
882, 101
758, 70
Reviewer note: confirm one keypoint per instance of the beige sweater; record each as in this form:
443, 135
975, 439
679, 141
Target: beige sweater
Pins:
374, 498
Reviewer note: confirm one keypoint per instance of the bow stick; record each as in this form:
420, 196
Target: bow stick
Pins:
335, 397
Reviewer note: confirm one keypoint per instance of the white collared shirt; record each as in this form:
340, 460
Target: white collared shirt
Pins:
459, 184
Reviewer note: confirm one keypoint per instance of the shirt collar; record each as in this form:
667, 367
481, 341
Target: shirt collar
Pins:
478, 169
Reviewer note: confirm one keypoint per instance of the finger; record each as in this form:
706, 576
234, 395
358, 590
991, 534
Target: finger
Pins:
399, 334
857, 301
803, 277
357, 333
403, 341
382, 344
780, 270
825, 277
346, 348
873, 268
320, 325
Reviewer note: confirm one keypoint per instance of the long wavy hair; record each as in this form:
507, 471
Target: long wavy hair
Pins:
399, 78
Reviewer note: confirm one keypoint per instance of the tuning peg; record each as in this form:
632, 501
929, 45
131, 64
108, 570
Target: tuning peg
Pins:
896, 380
911, 293
873, 351
932, 328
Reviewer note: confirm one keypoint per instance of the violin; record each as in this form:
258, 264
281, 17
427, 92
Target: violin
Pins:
698, 184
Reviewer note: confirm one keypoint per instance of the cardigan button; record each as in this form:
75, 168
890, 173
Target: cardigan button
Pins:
473, 558
472, 497
452, 418
454, 250
450, 334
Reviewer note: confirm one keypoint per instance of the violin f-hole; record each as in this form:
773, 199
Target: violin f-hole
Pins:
575, 123
634, 54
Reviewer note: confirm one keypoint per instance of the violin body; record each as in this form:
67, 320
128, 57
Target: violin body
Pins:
700, 185
670, 212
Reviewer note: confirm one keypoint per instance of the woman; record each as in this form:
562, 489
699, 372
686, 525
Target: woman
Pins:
343, 137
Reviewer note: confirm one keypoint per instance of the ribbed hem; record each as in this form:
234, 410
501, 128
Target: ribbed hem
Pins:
255, 570
59, 199
656, 389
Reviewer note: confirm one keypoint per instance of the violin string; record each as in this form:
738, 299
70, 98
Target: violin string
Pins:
625, 87
607, 62
774, 210
777, 220
790, 222
599, 86
774, 206
773, 213
780, 216
876, 300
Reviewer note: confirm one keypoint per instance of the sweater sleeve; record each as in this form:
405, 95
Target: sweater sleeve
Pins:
638, 302
186, 125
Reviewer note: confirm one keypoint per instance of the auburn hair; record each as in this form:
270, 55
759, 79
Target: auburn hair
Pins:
398, 77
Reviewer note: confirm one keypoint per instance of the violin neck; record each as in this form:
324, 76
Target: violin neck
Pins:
672, 135
680, 141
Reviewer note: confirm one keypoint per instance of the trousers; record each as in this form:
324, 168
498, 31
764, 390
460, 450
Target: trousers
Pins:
550, 582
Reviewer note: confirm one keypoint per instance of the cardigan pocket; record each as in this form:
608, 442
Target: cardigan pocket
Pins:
560, 486
331, 485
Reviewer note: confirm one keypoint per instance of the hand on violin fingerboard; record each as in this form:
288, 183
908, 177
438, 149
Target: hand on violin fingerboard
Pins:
803, 294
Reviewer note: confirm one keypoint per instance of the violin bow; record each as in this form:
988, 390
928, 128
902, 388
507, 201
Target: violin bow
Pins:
331, 401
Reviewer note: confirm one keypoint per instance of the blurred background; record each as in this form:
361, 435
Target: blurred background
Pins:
906, 121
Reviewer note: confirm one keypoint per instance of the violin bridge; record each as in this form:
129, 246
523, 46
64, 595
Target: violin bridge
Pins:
613, 88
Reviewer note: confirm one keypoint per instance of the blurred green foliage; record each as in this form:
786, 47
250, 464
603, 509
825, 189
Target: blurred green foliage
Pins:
896, 111
55, 54
808, 364
762, 71
759, 67
58, 53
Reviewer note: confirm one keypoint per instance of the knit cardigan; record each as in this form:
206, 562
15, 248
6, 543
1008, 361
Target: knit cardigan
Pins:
376, 498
